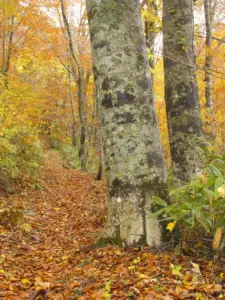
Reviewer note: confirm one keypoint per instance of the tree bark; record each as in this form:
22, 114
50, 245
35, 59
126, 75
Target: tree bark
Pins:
181, 92
82, 105
3, 40
7, 44
209, 8
151, 32
10, 44
100, 165
208, 57
74, 126
133, 155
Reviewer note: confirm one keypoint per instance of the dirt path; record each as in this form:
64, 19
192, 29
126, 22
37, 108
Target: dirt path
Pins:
65, 212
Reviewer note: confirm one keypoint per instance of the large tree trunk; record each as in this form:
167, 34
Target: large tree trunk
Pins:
181, 92
134, 161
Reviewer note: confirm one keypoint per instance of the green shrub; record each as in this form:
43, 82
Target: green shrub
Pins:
199, 206
20, 154
71, 158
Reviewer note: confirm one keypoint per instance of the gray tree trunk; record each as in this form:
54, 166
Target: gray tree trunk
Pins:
209, 7
151, 32
133, 155
181, 92
73, 113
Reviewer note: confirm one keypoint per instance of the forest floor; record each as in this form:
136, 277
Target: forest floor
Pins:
51, 258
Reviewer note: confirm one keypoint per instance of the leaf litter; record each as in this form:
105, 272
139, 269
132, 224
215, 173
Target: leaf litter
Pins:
50, 256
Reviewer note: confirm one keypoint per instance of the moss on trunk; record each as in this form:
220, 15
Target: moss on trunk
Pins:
129, 128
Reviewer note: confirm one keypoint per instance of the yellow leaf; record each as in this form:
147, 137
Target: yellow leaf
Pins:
25, 281
217, 238
26, 227
106, 295
171, 226
4, 232
2, 271
136, 260
131, 268
199, 297
210, 264
118, 252
221, 191
143, 276
65, 257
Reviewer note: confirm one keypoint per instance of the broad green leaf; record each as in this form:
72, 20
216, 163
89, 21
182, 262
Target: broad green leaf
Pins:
157, 213
178, 190
220, 222
216, 171
159, 201
218, 183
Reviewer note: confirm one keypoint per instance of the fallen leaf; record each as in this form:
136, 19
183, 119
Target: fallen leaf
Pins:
25, 281
42, 284
217, 238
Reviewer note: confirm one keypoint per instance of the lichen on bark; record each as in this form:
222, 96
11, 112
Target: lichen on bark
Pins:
181, 92
130, 133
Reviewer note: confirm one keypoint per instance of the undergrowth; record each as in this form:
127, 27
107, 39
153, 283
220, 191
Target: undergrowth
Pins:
71, 158
197, 208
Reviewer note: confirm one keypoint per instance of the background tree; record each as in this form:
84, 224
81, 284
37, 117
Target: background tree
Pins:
132, 148
209, 8
181, 92
152, 25
81, 76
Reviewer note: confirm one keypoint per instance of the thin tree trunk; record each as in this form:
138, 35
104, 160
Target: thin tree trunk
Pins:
8, 59
100, 165
181, 92
133, 156
3, 42
81, 81
150, 36
209, 15
82, 103
74, 126
97, 139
